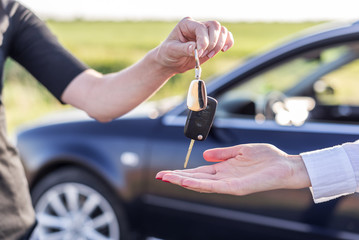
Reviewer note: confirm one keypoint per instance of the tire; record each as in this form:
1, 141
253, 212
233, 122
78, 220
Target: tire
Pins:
70, 203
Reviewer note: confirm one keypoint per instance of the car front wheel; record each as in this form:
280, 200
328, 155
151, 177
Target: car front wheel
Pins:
70, 203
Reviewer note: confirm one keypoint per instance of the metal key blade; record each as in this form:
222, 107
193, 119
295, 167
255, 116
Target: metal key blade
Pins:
189, 152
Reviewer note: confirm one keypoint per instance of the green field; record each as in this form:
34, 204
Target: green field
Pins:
112, 46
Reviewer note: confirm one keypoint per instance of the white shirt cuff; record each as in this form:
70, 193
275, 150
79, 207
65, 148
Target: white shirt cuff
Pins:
352, 150
330, 172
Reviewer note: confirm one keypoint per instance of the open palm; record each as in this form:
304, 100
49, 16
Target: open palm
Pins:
243, 169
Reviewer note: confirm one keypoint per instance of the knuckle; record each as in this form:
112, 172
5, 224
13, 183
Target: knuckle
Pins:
211, 45
203, 26
186, 18
224, 30
215, 24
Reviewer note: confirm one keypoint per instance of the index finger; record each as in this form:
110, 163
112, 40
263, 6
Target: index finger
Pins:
194, 30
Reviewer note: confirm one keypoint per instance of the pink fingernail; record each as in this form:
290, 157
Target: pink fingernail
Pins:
205, 53
225, 48
211, 54
190, 48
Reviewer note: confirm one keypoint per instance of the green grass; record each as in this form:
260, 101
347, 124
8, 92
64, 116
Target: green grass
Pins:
112, 46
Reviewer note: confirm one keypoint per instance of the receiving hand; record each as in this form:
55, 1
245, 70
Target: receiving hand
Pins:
176, 52
243, 169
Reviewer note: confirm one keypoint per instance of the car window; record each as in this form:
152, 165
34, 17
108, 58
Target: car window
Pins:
327, 77
337, 96
340, 86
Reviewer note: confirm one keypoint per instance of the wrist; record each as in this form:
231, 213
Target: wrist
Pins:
299, 174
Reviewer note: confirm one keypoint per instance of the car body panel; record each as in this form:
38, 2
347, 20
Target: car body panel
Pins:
101, 154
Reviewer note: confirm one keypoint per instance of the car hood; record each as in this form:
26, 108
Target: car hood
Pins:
149, 109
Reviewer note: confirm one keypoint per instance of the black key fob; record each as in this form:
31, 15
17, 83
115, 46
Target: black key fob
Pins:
199, 123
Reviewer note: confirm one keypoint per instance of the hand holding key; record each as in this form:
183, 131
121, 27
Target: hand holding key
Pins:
176, 52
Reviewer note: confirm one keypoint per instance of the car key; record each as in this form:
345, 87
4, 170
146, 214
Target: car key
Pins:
202, 110
199, 124
196, 98
197, 93
200, 116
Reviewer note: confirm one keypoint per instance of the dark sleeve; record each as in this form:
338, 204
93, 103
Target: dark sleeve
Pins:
38, 50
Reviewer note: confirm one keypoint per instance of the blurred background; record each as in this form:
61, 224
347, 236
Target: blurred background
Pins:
109, 35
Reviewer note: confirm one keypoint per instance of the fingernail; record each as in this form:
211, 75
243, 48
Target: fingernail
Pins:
211, 54
205, 53
190, 49
200, 52
159, 178
225, 48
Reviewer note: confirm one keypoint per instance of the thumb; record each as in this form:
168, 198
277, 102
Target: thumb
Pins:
221, 154
184, 49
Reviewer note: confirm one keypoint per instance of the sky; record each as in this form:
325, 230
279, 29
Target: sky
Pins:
222, 10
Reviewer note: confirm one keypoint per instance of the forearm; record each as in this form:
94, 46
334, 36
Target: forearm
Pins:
105, 97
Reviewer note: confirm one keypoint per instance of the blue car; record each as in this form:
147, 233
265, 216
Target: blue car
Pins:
91, 180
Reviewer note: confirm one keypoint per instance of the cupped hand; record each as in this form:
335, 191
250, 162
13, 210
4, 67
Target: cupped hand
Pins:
177, 51
243, 169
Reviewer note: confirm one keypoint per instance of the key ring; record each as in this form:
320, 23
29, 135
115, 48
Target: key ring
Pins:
196, 57
197, 69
